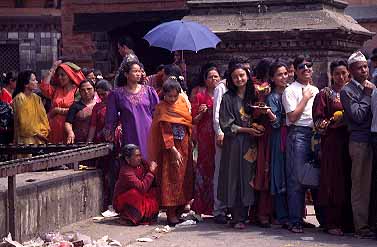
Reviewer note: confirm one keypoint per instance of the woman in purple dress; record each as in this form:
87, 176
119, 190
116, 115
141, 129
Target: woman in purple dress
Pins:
134, 104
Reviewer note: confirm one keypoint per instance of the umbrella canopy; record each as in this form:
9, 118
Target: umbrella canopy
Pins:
182, 35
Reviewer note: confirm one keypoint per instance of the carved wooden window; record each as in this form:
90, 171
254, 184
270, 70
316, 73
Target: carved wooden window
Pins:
10, 58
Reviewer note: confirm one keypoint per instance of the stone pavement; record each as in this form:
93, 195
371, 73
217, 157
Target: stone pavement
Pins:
210, 234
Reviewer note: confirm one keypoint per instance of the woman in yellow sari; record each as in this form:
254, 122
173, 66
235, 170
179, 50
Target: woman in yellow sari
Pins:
170, 148
30, 118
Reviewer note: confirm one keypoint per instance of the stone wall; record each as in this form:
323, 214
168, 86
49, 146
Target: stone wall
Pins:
51, 200
322, 51
37, 50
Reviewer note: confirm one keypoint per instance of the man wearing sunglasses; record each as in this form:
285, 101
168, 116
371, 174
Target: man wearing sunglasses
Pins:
356, 101
298, 101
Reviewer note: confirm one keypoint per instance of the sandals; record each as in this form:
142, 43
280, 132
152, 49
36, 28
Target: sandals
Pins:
239, 226
335, 232
296, 228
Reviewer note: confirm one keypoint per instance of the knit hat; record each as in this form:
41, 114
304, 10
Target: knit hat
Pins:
356, 57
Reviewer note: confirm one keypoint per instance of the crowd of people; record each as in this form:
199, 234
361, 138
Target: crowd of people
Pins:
263, 136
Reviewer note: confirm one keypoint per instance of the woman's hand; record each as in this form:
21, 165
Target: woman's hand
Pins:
71, 138
177, 157
153, 167
203, 108
256, 130
220, 140
55, 65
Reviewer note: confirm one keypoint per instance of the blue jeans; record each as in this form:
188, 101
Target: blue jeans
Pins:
298, 153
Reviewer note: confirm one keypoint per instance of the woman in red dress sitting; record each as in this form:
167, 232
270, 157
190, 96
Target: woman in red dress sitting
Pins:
134, 196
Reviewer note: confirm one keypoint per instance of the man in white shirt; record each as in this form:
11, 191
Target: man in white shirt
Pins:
298, 101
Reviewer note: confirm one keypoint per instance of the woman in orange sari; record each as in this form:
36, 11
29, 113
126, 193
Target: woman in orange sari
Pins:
170, 147
66, 77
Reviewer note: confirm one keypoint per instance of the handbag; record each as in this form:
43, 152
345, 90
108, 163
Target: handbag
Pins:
308, 174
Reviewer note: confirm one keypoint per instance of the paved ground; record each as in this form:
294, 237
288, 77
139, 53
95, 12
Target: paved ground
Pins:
210, 234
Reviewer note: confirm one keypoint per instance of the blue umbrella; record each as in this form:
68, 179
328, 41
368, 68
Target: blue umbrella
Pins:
182, 35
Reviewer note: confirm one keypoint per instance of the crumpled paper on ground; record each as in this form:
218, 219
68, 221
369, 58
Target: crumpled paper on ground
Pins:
144, 240
70, 239
164, 229
186, 223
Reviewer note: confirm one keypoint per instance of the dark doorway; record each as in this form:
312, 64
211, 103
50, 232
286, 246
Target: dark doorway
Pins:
151, 57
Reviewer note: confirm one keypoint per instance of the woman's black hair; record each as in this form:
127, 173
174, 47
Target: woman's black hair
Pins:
174, 70
273, 68
206, 68
104, 85
87, 71
86, 81
126, 41
97, 72
334, 65
122, 81
262, 69
22, 80
337, 63
128, 150
249, 98
171, 84
159, 68
10, 76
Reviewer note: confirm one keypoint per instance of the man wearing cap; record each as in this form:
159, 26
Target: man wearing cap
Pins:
356, 101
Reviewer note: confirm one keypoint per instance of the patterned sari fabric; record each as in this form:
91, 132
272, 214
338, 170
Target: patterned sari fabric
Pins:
335, 181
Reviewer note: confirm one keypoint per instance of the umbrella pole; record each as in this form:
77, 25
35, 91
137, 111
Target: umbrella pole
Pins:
184, 64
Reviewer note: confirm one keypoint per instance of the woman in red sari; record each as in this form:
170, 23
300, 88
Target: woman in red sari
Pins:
97, 122
202, 113
335, 180
134, 196
65, 77
170, 147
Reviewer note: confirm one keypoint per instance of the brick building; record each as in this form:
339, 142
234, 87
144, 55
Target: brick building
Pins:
33, 33
91, 28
